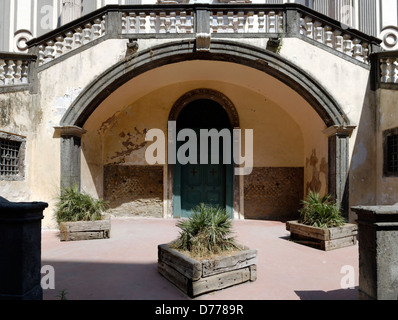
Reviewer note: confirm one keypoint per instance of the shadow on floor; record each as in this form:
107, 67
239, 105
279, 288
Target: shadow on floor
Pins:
109, 281
341, 294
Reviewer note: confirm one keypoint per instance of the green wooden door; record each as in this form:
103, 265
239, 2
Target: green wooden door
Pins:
202, 183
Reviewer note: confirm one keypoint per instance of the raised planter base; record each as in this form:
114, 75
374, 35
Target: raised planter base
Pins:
85, 230
195, 277
323, 239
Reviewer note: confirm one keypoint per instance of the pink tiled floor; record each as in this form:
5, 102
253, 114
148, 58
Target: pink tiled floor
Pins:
125, 266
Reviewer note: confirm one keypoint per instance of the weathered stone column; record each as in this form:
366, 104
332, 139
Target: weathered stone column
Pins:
20, 250
378, 252
70, 155
339, 137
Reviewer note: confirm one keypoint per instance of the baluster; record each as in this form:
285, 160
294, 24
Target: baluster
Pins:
49, 53
9, 76
103, 25
78, 37
310, 27
167, 23
41, 54
261, 21
142, 22
220, 22
365, 52
18, 72
132, 23
230, 19
189, 25
302, 26
59, 45
391, 67
338, 40
173, 18
2, 72
87, 33
241, 22
383, 70
271, 22
318, 31
152, 22
68, 41
97, 28
213, 23
280, 22
162, 26
357, 50
396, 69
24, 73
347, 45
329, 36
183, 20
124, 23
250, 21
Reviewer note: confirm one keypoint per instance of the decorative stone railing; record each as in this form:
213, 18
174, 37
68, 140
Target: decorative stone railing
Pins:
14, 69
73, 36
159, 21
202, 22
246, 20
386, 69
336, 36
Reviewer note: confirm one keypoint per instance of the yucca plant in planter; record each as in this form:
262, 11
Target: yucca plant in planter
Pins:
206, 257
322, 224
80, 216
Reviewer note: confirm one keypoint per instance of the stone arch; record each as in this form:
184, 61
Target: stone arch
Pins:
337, 122
204, 93
228, 51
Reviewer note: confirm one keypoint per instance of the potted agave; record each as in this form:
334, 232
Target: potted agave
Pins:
81, 217
205, 257
322, 225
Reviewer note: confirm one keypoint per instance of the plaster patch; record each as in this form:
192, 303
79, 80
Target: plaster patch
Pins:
360, 156
61, 105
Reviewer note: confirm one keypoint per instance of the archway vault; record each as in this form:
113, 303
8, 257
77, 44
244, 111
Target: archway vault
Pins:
221, 50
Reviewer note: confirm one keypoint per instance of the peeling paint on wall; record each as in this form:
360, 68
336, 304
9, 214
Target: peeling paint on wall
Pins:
316, 184
131, 141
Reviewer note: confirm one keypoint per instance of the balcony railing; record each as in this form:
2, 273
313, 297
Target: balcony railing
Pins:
385, 68
212, 20
15, 70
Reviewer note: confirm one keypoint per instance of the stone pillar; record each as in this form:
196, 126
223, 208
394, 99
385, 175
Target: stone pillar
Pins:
20, 250
70, 155
378, 252
339, 137
71, 10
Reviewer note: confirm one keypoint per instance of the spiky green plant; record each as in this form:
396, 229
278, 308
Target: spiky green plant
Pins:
207, 232
74, 205
320, 211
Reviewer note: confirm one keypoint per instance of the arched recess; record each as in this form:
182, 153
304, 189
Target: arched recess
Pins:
337, 122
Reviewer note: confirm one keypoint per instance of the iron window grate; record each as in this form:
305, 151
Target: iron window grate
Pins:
9, 157
392, 153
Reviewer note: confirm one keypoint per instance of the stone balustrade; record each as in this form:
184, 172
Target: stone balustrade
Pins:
204, 21
246, 21
336, 37
14, 69
74, 37
389, 70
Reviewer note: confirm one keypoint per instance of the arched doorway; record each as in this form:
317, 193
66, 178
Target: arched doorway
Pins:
211, 181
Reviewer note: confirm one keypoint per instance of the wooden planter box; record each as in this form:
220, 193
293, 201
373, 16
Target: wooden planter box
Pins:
324, 239
195, 277
85, 230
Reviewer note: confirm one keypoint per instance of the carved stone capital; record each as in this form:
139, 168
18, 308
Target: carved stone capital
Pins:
73, 131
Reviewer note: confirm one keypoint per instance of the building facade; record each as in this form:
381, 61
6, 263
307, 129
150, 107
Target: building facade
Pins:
78, 103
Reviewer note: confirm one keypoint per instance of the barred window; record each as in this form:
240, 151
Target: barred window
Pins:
11, 156
391, 152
